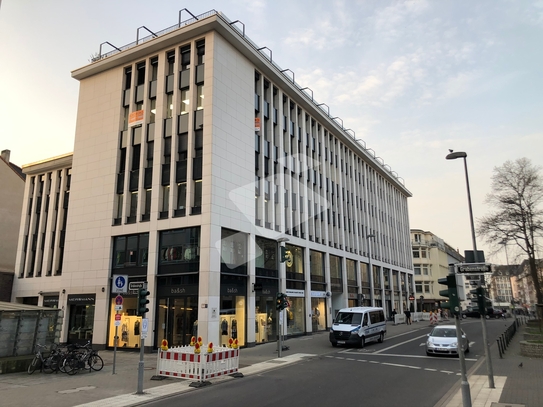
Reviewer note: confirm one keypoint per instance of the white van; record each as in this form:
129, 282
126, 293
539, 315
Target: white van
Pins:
358, 325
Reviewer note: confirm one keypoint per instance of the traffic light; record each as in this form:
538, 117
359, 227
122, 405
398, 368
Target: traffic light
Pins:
142, 302
482, 302
281, 302
283, 256
451, 293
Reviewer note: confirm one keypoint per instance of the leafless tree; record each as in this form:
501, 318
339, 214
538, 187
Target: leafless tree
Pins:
517, 197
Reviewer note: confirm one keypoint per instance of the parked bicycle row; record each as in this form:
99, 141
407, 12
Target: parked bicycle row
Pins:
69, 359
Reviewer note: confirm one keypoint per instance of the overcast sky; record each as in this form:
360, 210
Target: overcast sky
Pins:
411, 78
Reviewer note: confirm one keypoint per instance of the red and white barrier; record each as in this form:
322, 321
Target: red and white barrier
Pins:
182, 362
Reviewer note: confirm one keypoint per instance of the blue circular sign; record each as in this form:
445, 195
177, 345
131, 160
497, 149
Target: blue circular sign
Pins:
120, 282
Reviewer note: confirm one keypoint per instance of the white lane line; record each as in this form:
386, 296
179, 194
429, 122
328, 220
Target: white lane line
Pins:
350, 359
446, 371
374, 361
422, 344
328, 356
430, 370
399, 344
398, 365
420, 357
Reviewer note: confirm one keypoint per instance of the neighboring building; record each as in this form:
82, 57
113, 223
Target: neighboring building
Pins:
523, 287
501, 288
194, 155
431, 260
12, 181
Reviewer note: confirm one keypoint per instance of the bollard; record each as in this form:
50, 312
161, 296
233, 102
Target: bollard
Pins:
499, 348
502, 342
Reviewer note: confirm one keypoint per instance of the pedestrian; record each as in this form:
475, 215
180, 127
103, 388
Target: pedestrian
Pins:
407, 317
393, 317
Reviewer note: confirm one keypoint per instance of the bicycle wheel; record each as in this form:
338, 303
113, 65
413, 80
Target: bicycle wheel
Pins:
71, 365
50, 364
96, 362
33, 365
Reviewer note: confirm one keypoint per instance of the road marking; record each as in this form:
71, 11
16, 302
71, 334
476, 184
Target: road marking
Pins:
396, 365
399, 344
422, 357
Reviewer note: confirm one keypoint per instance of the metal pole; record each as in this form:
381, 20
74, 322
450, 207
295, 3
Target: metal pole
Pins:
115, 339
279, 342
476, 258
466, 395
140, 368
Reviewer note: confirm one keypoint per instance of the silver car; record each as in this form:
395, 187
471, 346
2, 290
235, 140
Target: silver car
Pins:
442, 341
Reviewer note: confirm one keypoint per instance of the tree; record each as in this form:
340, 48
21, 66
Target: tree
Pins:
517, 195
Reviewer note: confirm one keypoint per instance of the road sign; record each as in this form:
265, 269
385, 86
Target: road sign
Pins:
136, 285
411, 297
118, 319
120, 284
473, 268
144, 325
119, 300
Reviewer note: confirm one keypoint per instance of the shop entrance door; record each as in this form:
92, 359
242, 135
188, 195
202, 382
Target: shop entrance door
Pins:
177, 319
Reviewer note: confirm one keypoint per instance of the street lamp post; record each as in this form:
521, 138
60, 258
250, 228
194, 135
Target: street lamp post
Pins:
372, 294
281, 271
454, 156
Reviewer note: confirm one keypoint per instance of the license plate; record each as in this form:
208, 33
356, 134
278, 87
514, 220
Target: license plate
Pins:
341, 342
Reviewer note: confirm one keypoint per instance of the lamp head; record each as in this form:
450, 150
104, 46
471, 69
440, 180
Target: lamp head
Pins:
282, 239
454, 156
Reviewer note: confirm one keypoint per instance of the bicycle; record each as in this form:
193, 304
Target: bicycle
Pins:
47, 364
75, 359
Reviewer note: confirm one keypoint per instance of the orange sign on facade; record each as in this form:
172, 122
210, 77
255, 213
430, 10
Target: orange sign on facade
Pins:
135, 118
257, 123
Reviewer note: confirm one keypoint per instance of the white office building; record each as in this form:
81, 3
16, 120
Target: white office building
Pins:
195, 158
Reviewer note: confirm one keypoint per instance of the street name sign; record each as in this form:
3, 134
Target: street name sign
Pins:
473, 268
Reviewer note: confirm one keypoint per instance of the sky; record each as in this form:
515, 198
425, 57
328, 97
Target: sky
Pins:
412, 79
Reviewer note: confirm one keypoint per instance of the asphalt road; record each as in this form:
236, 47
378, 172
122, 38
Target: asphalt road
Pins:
394, 373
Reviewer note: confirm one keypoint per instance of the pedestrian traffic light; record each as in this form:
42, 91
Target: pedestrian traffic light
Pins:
142, 302
283, 254
281, 302
451, 293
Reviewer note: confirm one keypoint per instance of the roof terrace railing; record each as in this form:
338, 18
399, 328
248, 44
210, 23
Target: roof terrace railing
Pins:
241, 32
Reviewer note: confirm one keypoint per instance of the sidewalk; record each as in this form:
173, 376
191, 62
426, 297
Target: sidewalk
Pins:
514, 386
104, 389
107, 389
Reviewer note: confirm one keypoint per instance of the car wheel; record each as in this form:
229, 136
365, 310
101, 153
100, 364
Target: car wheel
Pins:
464, 316
362, 342
381, 337
334, 344
428, 353
467, 348
487, 316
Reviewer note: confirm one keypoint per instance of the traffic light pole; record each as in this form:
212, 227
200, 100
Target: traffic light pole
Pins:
466, 394
279, 336
482, 312
142, 302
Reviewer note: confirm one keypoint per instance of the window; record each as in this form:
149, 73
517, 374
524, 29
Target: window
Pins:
200, 51
169, 106
417, 270
185, 101
181, 195
198, 194
130, 251
418, 288
185, 58
423, 252
200, 97
426, 270
416, 254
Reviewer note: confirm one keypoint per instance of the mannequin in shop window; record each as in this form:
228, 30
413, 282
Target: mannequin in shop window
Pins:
224, 327
234, 329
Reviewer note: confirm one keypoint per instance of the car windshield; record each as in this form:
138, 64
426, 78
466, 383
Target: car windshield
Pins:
348, 318
444, 332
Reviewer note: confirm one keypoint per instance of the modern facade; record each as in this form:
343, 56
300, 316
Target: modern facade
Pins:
431, 259
13, 185
195, 158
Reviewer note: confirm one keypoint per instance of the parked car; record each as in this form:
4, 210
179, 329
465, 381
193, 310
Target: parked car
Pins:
443, 341
474, 313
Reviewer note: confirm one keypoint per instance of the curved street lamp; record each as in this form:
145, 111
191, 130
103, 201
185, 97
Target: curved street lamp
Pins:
465, 392
372, 294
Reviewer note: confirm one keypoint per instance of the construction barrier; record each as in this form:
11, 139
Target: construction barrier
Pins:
433, 318
182, 362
